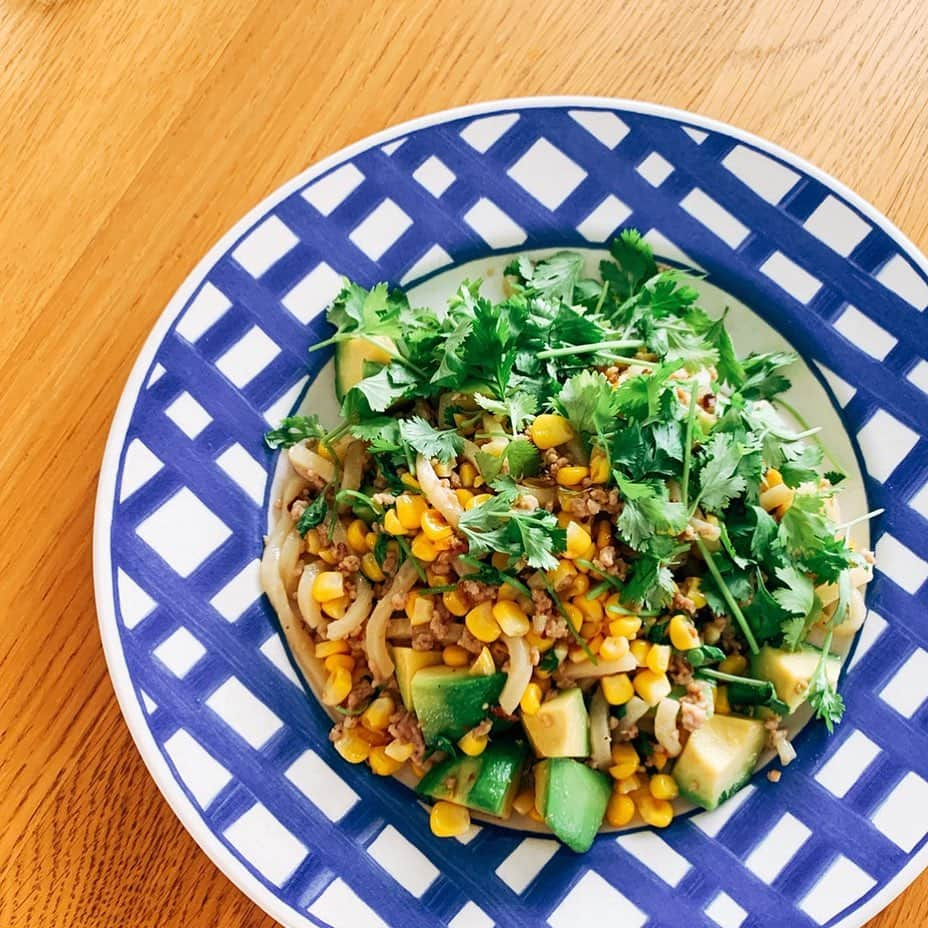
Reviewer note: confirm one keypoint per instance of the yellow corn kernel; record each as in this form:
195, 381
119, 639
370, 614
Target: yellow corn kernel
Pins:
511, 619
444, 468
419, 608
377, 715
564, 518
353, 748
423, 549
448, 820
620, 810
659, 658
400, 750
630, 784
464, 496
326, 648
356, 534
455, 603
683, 634
313, 542
339, 660
478, 500
617, 688
481, 623
392, 524
613, 648
660, 760
735, 664
580, 586
530, 702
562, 575
663, 786
330, 584
625, 760
433, 578
328, 555
599, 466
595, 643
588, 629
455, 656
779, 495
371, 569
535, 815
337, 687
577, 655
539, 641
603, 534
409, 481
382, 763
336, 608
410, 510
473, 745
524, 801
483, 664
658, 813
571, 475
550, 430
772, 478
652, 687
722, 706
507, 593
625, 627
692, 589
434, 526
574, 616
639, 648
592, 609
467, 472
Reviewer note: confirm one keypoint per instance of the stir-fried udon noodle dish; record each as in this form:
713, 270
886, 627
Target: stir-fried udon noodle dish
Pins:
565, 556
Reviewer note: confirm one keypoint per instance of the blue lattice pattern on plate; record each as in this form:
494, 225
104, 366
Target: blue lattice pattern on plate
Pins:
250, 750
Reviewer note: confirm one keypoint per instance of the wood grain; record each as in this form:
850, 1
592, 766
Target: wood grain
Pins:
133, 136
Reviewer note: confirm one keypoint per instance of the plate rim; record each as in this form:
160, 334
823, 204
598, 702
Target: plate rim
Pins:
123, 686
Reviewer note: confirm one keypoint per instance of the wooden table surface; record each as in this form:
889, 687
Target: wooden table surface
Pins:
133, 135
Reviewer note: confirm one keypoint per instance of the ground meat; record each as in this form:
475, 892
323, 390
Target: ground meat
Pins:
774, 776
360, 693
543, 609
474, 591
730, 641
440, 624
607, 500
712, 631
555, 461
608, 562
454, 480
405, 727
527, 502
583, 506
385, 499
478, 731
423, 639
625, 734
398, 601
679, 671
694, 707
469, 643
390, 563
297, 508
556, 627
500, 653
350, 564
683, 603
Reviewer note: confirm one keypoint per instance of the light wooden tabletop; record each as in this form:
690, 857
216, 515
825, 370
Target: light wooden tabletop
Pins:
134, 134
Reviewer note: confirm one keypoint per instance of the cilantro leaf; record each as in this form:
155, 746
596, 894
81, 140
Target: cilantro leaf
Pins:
588, 401
518, 407
634, 264
728, 366
647, 511
762, 378
356, 311
553, 277
703, 655
292, 430
314, 514
719, 480
807, 534
443, 444
651, 583
801, 464
822, 695
390, 384
797, 593
764, 613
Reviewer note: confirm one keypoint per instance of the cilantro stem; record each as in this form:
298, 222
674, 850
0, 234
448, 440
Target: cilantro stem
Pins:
729, 677
590, 348
864, 518
688, 448
409, 556
602, 297
805, 424
727, 595
578, 638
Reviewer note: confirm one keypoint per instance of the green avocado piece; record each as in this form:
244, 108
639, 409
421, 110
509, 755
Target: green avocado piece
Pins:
561, 727
487, 783
350, 357
408, 663
450, 701
572, 799
719, 759
791, 671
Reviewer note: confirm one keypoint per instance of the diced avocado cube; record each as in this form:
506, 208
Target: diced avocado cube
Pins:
791, 671
719, 759
350, 356
450, 701
487, 783
572, 799
561, 727
408, 663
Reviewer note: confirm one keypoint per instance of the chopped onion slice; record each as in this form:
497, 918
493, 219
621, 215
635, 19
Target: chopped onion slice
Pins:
665, 726
357, 612
600, 734
786, 751
309, 608
586, 669
352, 467
635, 709
375, 635
307, 463
520, 673
440, 497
